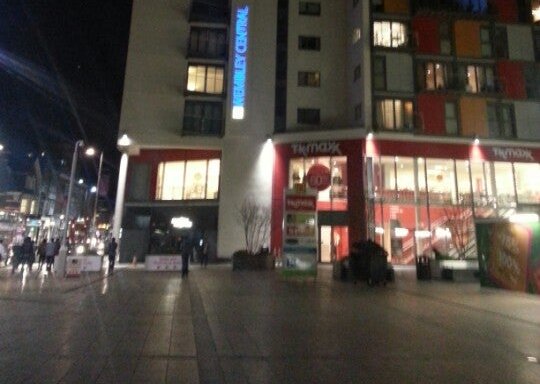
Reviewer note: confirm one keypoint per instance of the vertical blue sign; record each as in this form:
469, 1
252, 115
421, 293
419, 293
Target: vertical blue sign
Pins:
240, 62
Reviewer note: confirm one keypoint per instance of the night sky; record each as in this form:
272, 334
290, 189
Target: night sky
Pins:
61, 75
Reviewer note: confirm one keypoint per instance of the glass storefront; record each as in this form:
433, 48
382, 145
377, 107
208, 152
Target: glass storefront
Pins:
424, 205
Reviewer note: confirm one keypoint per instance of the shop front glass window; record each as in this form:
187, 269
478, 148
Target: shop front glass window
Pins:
170, 181
335, 196
195, 180
463, 182
504, 184
527, 182
212, 187
405, 179
441, 181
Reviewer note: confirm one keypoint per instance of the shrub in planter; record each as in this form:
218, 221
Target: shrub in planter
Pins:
243, 260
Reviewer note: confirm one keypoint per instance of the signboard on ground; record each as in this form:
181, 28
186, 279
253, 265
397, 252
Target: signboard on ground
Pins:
163, 263
73, 266
300, 233
509, 255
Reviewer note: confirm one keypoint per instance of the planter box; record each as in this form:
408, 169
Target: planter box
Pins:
242, 261
455, 270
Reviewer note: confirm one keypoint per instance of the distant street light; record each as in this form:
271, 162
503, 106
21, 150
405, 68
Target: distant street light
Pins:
93, 189
81, 181
61, 260
1, 147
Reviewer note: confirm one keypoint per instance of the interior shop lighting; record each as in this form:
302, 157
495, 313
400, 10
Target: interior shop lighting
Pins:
181, 222
443, 233
401, 232
524, 218
423, 234
379, 230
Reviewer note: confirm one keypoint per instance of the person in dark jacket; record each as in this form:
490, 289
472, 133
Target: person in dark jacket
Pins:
41, 251
28, 252
111, 252
184, 248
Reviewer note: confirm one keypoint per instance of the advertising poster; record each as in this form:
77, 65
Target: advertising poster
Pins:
509, 255
300, 233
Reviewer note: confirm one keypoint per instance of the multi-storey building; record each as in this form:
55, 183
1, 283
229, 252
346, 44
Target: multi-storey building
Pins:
421, 113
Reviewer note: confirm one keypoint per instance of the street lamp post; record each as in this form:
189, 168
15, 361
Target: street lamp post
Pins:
123, 145
61, 260
94, 211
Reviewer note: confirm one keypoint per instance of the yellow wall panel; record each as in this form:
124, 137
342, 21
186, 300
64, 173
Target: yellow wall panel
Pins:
473, 117
467, 35
396, 6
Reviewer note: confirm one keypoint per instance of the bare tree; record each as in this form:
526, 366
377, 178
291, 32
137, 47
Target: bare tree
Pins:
459, 220
255, 220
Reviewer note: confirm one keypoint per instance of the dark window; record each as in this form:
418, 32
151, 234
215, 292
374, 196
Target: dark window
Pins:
536, 37
450, 115
485, 42
309, 79
209, 11
501, 120
139, 181
532, 80
309, 8
203, 118
500, 43
379, 73
377, 5
445, 36
310, 116
358, 112
357, 72
310, 43
208, 42
354, 3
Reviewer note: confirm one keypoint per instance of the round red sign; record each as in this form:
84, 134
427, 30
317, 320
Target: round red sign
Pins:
318, 177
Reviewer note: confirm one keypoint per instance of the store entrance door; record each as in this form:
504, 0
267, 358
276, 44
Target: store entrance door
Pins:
333, 243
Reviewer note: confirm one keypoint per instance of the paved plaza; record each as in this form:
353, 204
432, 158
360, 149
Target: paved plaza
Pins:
220, 326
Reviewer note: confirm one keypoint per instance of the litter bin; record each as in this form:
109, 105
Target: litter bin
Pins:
423, 268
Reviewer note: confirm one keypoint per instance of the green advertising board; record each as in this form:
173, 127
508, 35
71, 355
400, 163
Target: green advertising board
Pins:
509, 255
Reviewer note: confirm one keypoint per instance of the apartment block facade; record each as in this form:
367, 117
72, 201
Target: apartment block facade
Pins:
420, 114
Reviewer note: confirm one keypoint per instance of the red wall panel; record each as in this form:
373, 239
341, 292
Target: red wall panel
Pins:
431, 111
506, 10
426, 34
512, 79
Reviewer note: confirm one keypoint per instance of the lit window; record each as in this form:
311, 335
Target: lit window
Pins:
394, 114
390, 34
433, 76
478, 78
357, 35
188, 180
309, 79
205, 79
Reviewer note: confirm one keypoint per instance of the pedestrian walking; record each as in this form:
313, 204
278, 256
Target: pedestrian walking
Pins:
3, 252
185, 252
57, 245
50, 253
204, 252
41, 253
111, 252
28, 252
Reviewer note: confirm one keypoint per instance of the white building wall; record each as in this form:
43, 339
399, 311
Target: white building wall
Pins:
520, 43
247, 163
527, 119
331, 61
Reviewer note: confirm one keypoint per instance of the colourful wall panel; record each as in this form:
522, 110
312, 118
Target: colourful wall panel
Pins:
396, 6
467, 35
426, 34
473, 117
506, 11
431, 111
512, 80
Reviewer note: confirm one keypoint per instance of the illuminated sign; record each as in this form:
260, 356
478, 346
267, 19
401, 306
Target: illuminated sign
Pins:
181, 222
240, 63
319, 148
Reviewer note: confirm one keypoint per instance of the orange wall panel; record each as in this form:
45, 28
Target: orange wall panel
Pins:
396, 6
473, 117
467, 35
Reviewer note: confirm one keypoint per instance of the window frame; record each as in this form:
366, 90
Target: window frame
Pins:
496, 110
305, 8
201, 119
403, 115
302, 115
310, 79
305, 43
197, 33
392, 34
216, 67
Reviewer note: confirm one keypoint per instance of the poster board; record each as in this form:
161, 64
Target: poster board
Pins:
300, 233
509, 255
